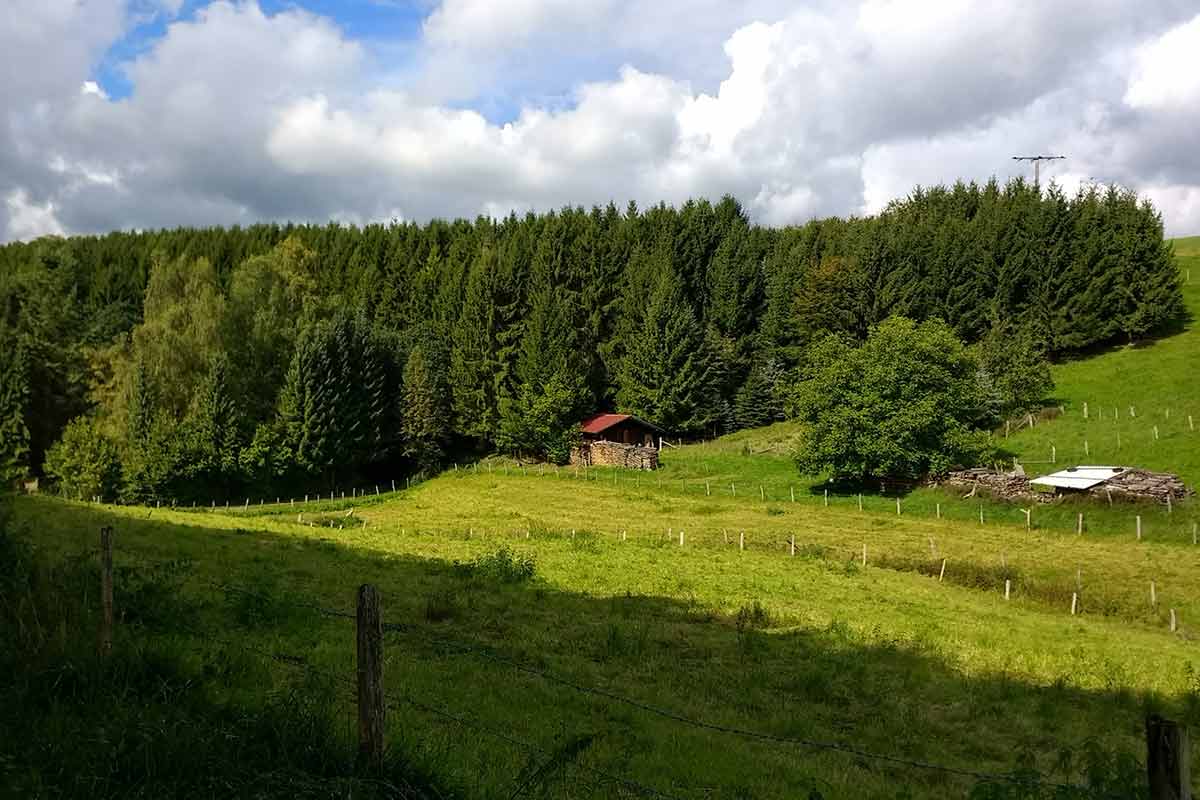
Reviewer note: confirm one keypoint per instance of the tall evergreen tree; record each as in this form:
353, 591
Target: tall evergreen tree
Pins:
425, 422
214, 432
14, 402
665, 374
473, 356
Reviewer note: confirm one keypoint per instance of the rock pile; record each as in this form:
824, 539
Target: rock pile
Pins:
1140, 484
1132, 484
1005, 485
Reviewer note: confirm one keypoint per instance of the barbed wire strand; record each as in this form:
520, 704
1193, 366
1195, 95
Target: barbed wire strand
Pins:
732, 730
301, 663
648, 708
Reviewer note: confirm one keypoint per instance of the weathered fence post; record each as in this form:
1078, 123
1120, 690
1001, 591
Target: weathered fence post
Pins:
792, 544
1139, 527
106, 592
1167, 760
370, 678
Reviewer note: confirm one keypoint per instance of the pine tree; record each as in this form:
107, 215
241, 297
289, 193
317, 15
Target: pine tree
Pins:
14, 403
539, 417
214, 432
665, 374
473, 356
425, 422
758, 401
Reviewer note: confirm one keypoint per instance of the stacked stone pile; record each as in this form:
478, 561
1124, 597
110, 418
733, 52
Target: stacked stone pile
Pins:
1140, 484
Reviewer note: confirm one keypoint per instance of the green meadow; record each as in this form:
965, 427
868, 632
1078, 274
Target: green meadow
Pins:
493, 578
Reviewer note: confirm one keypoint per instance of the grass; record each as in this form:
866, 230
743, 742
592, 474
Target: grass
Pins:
483, 570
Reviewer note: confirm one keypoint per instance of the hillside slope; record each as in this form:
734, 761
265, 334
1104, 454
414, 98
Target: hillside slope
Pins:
1130, 391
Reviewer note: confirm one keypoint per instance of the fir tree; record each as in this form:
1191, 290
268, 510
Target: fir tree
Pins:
214, 432
14, 403
665, 374
473, 357
424, 419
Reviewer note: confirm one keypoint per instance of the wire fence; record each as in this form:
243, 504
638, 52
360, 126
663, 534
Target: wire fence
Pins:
488, 654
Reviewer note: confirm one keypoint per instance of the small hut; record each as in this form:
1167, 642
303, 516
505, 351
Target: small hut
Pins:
617, 440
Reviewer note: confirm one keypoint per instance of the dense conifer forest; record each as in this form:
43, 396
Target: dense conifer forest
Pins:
205, 363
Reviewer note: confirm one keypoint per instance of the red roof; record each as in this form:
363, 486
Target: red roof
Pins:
598, 423
602, 422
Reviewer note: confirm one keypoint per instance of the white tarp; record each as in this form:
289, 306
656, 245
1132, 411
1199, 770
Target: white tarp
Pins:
1079, 477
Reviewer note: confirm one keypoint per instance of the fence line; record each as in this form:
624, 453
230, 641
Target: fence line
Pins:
486, 654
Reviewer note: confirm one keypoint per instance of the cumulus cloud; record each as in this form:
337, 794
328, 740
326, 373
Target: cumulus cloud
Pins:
238, 115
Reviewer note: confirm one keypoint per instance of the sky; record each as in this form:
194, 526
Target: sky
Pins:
141, 114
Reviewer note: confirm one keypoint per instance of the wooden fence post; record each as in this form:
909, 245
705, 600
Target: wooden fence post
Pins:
370, 678
1167, 760
792, 544
106, 592
1139, 527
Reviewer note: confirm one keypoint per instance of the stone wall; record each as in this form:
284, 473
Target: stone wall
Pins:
615, 454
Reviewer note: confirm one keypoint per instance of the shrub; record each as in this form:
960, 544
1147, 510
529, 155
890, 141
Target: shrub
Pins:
84, 461
905, 403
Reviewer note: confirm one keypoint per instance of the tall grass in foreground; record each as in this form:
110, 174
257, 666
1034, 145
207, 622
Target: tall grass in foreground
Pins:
168, 714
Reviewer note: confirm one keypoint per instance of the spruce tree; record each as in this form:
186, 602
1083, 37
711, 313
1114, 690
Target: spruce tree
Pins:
424, 423
14, 403
473, 355
214, 432
665, 373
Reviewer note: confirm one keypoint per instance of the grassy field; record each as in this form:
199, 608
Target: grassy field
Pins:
885, 658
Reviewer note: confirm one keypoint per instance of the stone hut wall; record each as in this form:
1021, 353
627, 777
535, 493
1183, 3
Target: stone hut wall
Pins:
615, 454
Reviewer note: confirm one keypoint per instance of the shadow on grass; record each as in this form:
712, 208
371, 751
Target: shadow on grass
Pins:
461, 630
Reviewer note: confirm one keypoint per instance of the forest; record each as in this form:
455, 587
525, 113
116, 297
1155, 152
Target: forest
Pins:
198, 363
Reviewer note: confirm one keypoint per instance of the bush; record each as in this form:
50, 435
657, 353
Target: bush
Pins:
905, 403
84, 462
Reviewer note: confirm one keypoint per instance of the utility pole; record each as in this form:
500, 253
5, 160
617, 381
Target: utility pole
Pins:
1037, 165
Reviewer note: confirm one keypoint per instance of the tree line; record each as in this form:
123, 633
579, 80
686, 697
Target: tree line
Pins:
198, 363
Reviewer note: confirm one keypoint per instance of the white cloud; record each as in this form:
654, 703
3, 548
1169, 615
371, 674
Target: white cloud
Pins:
27, 219
1165, 73
238, 115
